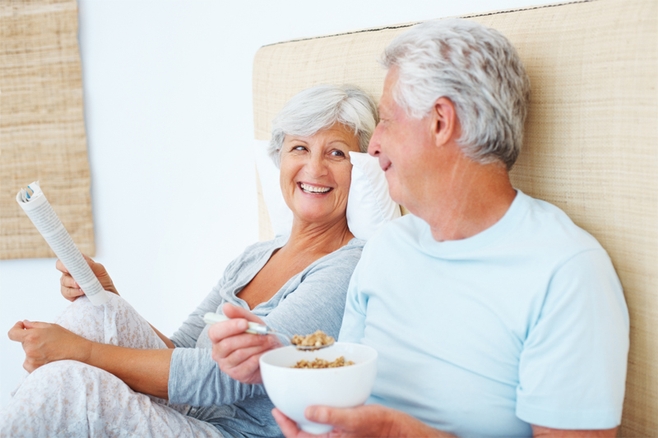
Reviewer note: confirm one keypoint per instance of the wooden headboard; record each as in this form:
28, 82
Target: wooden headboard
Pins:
591, 138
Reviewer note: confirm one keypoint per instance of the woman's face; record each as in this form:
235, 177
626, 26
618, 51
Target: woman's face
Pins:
316, 173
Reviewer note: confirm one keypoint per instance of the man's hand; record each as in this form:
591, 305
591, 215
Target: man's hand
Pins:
362, 421
44, 343
235, 351
71, 290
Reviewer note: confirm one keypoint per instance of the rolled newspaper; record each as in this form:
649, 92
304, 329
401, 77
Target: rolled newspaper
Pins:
38, 209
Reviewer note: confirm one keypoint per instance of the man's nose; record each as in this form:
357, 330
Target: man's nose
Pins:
374, 146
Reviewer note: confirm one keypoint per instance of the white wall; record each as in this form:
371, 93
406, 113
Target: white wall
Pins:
169, 123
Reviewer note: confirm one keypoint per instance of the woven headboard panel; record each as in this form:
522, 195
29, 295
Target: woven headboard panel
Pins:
590, 144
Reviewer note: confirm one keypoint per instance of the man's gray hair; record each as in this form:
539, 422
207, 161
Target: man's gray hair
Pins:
475, 67
320, 107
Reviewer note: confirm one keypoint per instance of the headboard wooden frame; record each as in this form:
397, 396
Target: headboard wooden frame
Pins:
590, 145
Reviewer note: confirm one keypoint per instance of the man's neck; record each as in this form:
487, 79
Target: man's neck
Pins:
469, 201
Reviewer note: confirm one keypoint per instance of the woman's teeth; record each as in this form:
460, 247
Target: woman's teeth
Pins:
314, 189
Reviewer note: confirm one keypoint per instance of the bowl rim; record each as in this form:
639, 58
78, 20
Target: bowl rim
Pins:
367, 362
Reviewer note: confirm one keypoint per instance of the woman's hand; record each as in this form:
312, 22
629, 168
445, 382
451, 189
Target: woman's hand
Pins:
44, 343
370, 421
71, 290
235, 351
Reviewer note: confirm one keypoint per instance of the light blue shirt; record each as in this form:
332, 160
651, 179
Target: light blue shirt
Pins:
524, 323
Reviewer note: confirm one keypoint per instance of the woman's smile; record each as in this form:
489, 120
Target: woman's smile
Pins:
309, 188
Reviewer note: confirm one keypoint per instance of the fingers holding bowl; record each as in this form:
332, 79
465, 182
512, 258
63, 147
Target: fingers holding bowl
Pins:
293, 389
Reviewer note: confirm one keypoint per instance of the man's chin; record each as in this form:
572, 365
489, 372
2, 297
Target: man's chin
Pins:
395, 196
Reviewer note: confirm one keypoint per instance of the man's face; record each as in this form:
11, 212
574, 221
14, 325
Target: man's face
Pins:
402, 145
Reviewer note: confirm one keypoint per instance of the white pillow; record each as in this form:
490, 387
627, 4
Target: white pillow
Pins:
369, 206
268, 173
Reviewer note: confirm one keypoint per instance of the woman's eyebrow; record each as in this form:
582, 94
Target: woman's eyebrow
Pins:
297, 139
343, 142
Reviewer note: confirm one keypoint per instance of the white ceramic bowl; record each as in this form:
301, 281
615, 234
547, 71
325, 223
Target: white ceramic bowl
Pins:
293, 389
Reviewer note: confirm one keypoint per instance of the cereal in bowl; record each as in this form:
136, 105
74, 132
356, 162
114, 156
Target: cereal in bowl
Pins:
322, 363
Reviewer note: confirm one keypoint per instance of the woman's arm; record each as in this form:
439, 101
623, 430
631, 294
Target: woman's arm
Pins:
71, 290
145, 371
237, 353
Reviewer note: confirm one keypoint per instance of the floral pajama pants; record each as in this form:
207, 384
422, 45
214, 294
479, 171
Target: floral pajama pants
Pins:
71, 399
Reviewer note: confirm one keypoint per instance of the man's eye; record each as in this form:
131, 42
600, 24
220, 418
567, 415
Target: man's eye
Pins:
298, 148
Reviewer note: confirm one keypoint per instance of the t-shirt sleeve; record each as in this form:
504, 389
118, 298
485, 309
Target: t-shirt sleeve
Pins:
194, 377
572, 369
187, 334
200, 382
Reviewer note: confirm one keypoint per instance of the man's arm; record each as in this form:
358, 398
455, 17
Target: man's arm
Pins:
379, 421
370, 421
545, 432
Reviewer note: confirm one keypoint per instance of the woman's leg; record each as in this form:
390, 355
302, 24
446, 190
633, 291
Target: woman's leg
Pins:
116, 322
68, 398
72, 399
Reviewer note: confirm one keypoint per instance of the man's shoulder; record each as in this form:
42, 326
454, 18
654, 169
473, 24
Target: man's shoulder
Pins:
547, 222
394, 236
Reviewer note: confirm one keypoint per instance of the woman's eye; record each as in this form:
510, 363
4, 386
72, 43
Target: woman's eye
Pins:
298, 148
337, 153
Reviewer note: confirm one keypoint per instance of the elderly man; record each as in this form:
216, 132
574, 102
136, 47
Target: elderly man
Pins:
492, 312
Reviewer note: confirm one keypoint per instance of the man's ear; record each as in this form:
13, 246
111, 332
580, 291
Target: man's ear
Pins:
445, 126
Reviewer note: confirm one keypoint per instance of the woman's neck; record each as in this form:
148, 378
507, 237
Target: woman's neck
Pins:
319, 238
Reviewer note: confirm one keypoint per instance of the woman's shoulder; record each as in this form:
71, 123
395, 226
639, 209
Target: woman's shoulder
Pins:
255, 252
355, 244
353, 248
344, 258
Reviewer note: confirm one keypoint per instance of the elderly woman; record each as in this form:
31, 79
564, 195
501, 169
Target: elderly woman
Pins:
103, 371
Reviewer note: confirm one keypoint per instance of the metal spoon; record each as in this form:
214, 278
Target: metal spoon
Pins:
261, 329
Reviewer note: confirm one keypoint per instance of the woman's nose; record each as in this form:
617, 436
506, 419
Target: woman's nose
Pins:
317, 166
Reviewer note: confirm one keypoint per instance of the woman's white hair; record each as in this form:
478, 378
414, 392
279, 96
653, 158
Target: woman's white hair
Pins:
320, 107
475, 67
